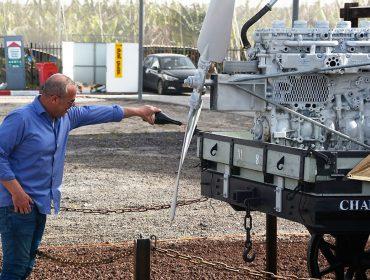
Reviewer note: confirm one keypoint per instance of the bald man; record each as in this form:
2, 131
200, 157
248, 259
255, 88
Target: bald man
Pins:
33, 142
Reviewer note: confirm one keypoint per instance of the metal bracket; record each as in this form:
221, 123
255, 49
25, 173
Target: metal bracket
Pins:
279, 194
226, 181
249, 194
318, 155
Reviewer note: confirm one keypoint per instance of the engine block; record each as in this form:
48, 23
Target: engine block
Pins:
339, 99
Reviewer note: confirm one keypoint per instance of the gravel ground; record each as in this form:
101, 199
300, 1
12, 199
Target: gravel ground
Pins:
131, 163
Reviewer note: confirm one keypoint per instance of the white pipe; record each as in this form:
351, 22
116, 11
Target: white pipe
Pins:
358, 43
311, 43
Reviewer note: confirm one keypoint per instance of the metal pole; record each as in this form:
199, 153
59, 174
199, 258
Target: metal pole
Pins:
94, 62
32, 65
59, 27
142, 259
271, 243
141, 52
295, 12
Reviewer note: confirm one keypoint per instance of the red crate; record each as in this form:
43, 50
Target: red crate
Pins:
46, 69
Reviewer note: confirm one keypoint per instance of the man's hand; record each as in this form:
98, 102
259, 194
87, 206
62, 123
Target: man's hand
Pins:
145, 112
21, 201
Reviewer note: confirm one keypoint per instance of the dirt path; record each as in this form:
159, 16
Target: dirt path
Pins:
228, 251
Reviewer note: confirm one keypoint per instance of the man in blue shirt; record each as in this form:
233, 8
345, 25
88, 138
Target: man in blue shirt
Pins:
33, 142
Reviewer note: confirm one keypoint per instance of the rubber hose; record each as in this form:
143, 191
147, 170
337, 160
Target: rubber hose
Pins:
250, 22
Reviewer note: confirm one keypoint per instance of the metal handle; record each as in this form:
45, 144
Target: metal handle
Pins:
280, 163
213, 150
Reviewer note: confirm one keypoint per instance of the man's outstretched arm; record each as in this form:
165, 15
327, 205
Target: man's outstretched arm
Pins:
88, 115
146, 112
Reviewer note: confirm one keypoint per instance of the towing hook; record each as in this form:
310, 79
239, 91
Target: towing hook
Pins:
248, 257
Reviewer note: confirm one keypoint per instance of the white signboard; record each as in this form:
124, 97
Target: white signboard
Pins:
14, 53
129, 78
14, 49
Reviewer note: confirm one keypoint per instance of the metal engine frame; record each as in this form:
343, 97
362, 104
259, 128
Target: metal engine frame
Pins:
286, 166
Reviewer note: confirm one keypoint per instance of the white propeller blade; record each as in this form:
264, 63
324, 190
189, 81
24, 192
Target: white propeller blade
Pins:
216, 29
213, 42
185, 146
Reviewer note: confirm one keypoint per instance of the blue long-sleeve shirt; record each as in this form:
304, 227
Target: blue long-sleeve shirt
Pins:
33, 147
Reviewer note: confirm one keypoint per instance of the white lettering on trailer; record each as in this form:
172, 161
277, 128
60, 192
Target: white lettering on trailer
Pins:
354, 205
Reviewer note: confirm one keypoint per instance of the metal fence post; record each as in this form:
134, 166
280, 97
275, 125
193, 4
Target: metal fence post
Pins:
141, 51
142, 259
271, 244
32, 63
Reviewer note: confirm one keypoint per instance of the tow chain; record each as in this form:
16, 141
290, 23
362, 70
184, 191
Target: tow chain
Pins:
245, 271
248, 224
132, 209
83, 263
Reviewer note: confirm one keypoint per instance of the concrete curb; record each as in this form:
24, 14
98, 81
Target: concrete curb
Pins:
19, 92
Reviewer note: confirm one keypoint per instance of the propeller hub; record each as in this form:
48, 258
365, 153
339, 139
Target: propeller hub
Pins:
195, 81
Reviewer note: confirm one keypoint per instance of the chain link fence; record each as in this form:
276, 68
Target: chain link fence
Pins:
110, 259
133, 208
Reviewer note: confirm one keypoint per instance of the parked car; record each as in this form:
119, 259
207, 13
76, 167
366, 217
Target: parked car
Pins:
166, 72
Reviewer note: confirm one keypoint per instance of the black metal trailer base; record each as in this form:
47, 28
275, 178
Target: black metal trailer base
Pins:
305, 186
339, 224
320, 213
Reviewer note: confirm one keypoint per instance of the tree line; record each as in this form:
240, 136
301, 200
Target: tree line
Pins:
171, 23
